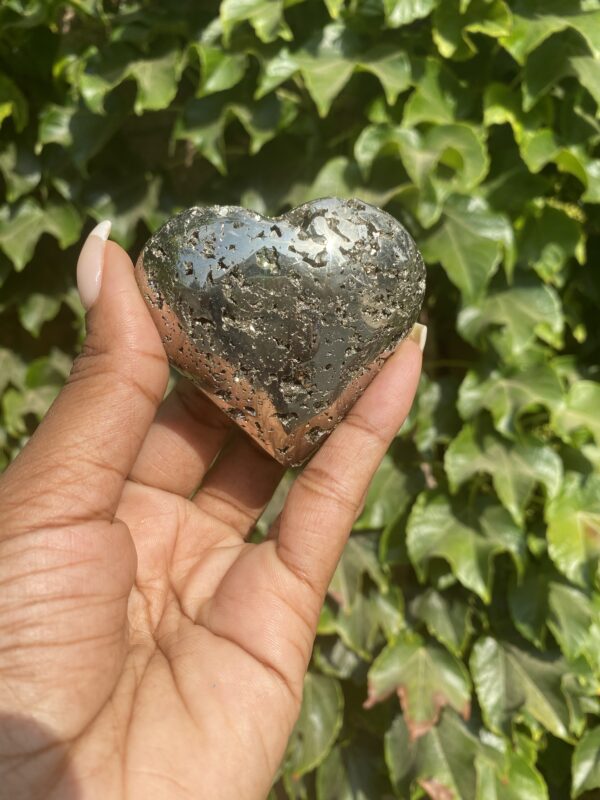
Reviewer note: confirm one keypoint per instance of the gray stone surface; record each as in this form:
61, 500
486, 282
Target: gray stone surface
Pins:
282, 321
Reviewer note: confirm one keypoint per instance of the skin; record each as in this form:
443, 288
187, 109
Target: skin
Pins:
146, 649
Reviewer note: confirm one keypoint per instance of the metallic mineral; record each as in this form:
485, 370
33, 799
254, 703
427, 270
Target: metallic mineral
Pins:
282, 321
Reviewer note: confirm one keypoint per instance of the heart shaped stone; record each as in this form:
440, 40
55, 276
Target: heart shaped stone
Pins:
282, 322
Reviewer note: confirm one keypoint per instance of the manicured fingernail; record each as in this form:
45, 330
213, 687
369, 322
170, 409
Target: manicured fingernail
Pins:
90, 263
419, 335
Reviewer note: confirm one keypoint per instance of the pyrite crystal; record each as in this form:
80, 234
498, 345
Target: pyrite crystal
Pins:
282, 322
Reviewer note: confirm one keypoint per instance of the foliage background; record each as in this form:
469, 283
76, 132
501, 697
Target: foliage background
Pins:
459, 651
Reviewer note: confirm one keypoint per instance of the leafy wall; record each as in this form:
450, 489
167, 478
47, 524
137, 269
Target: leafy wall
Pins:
459, 651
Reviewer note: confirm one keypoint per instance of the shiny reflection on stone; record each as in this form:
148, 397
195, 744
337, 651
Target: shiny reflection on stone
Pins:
282, 322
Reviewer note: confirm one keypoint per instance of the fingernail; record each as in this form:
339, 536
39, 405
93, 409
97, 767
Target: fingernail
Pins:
419, 335
90, 263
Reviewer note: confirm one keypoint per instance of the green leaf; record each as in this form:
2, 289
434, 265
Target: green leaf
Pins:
574, 620
586, 763
452, 28
203, 123
549, 238
12, 103
469, 244
510, 681
468, 538
327, 61
385, 496
157, 77
359, 558
534, 21
220, 70
20, 169
509, 394
516, 467
349, 773
425, 677
20, 229
403, 12
434, 419
77, 130
317, 727
391, 66
436, 95
573, 519
448, 619
36, 310
587, 70
265, 16
579, 411
523, 311
454, 760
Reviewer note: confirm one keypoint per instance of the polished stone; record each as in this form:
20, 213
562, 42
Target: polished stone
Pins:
284, 321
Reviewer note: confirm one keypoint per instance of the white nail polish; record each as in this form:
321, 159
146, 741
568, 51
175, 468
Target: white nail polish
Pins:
90, 263
419, 335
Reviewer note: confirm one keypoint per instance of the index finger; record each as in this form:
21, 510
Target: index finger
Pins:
323, 503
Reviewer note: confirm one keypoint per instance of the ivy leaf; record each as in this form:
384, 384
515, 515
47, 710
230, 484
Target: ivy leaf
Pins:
328, 60
586, 763
448, 619
436, 420
77, 130
359, 558
436, 96
425, 677
349, 773
547, 65
468, 538
548, 240
220, 70
20, 229
203, 123
534, 21
452, 28
510, 681
317, 727
579, 411
386, 496
441, 762
587, 70
573, 519
20, 169
454, 760
574, 620
391, 66
402, 12
36, 310
265, 16
524, 311
157, 77
469, 244
12, 103
516, 467
508, 395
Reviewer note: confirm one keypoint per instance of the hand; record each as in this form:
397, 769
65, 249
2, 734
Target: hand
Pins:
147, 650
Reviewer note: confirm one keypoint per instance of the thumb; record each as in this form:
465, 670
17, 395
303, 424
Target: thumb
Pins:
79, 457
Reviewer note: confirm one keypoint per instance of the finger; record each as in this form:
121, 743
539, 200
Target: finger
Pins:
182, 443
325, 498
239, 486
77, 461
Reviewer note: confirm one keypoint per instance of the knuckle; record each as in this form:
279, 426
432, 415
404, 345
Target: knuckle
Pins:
322, 484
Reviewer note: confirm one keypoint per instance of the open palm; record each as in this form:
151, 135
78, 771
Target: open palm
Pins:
147, 650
